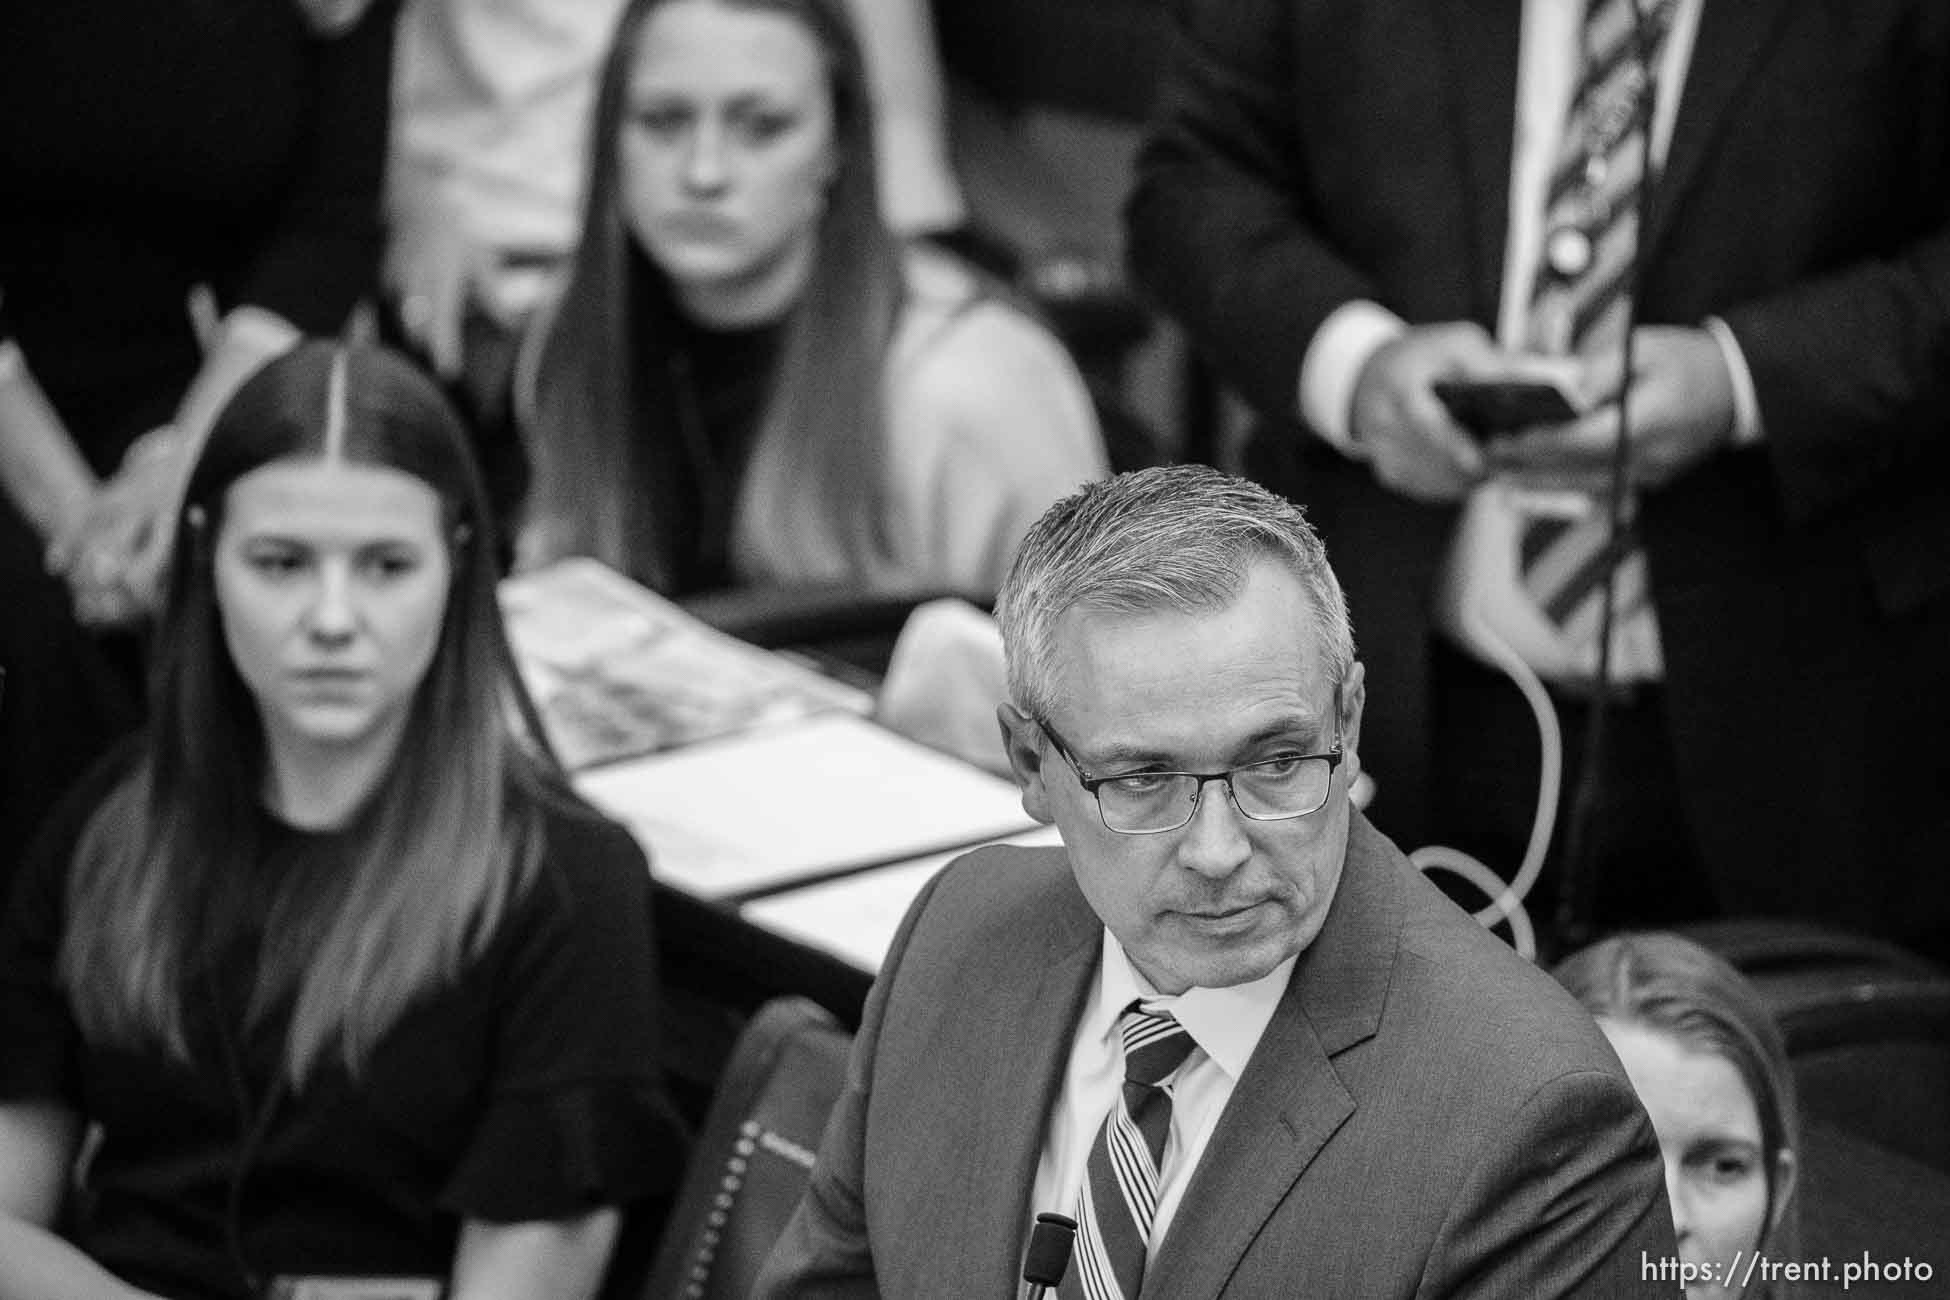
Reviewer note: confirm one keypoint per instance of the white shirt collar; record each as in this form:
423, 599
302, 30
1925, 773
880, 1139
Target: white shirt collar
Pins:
1225, 1022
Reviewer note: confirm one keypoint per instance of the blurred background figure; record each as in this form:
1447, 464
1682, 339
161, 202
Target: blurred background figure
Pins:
189, 184
491, 103
347, 980
1708, 1064
746, 378
919, 191
1346, 205
491, 109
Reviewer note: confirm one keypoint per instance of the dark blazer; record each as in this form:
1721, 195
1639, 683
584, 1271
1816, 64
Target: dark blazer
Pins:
1309, 152
1426, 1115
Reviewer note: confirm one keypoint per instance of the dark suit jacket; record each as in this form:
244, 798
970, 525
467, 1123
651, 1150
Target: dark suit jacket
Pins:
1309, 152
1426, 1114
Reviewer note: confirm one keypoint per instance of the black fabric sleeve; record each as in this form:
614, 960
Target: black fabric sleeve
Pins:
1220, 230
321, 257
577, 1117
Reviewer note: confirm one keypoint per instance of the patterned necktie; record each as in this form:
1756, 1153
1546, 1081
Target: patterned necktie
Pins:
1119, 1198
1580, 304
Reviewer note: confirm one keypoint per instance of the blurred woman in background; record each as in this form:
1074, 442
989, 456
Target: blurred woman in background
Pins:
1709, 1066
346, 979
745, 378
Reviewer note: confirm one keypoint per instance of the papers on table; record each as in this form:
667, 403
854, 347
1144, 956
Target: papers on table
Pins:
854, 918
619, 671
763, 810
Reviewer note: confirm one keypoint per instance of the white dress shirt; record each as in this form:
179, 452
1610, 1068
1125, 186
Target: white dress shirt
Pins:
1226, 1024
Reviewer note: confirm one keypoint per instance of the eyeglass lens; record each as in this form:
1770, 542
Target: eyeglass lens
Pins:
1161, 801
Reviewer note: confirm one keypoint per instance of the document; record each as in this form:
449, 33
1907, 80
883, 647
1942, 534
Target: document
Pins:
763, 810
618, 671
854, 918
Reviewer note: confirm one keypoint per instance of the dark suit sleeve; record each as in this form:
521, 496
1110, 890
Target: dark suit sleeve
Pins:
1852, 373
1568, 1200
321, 255
1841, 143
824, 1252
1218, 224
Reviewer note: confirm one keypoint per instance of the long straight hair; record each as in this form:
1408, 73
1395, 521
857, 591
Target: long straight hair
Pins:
1668, 983
602, 415
434, 857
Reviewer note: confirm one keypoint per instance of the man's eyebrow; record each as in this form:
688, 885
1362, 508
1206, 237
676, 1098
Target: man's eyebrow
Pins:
1292, 727
1115, 753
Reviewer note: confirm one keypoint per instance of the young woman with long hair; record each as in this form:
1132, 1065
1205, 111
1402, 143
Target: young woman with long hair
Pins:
1708, 1063
745, 378
344, 978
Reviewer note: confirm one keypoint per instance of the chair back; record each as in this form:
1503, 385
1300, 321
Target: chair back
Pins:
1866, 1025
1871, 1056
754, 1153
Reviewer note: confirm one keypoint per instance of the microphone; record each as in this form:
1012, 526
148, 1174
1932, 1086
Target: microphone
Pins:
1048, 1259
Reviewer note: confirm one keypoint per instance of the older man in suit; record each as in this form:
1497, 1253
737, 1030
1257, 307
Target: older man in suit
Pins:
1227, 1027
1347, 200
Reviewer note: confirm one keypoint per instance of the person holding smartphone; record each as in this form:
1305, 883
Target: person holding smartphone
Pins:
1343, 210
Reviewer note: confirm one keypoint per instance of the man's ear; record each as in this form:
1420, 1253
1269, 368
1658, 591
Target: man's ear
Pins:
1354, 695
1022, 741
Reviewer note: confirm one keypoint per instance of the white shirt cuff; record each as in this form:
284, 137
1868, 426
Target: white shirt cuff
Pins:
261, 329
1332, 366
1746, 405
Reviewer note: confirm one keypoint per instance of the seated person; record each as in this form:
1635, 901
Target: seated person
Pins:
1227, 1027
490, 107
1709, 1065
337, 973
746, 379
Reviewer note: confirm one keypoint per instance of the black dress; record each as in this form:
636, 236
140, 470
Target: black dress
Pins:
147, 146
527, 1089
721, 380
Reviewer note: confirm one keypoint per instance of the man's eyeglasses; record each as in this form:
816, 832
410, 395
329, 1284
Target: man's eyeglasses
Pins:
1152, 803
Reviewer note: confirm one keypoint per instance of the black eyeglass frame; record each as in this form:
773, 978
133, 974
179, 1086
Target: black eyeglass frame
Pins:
1093, 784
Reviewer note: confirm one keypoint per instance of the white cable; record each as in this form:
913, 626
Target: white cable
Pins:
1506, 902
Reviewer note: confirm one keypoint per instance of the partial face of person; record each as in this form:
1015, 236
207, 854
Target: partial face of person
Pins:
332, 583
1224, 899
1709, 1133
727, 144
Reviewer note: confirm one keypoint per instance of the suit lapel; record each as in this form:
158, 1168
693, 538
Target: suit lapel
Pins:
1481, 73
1290, 1100
1288, 1103
1031, 1022
1733, 36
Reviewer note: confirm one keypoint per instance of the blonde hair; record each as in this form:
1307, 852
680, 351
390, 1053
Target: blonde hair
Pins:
601, 407
435, 857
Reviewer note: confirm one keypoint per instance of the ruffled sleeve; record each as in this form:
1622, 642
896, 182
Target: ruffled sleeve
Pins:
576, 1115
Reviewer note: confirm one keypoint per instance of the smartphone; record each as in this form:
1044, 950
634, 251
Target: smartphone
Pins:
1488, 407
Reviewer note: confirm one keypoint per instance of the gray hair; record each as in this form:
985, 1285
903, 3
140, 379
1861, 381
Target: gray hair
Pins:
1180, 537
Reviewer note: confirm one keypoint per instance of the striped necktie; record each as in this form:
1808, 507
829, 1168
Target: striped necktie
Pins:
1118, 1202
1581, 304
